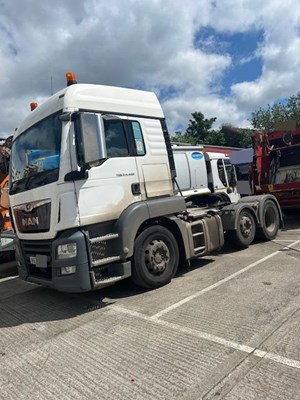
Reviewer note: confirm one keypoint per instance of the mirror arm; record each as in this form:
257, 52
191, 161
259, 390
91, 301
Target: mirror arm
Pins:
76, 175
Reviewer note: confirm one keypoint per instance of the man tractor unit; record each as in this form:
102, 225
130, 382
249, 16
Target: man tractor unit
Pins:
94, 196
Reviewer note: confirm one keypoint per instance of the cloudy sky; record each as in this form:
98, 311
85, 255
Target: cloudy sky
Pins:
224, 58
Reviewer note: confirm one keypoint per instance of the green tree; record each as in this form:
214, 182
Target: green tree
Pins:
293, 106
199, 129
236, 137
180, 137
267, 118
215, 138
262, 119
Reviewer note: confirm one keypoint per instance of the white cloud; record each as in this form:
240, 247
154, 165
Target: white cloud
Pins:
279, 52
148, 44
179, 110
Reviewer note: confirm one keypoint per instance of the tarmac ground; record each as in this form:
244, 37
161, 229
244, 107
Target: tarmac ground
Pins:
228, 327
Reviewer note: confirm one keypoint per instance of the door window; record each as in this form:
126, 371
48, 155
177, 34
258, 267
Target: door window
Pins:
115, 138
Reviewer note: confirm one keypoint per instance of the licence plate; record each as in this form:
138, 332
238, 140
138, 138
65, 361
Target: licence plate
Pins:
40, 260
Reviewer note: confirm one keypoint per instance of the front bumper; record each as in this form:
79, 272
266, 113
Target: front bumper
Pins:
48, 272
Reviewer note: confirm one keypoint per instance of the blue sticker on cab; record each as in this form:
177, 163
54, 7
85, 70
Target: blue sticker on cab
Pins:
197, 155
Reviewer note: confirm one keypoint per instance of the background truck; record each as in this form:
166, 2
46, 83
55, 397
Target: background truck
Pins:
6, 233
206, 176
5, 146
209, 180
276, 164
94, 197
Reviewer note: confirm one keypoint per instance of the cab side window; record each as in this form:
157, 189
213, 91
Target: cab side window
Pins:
123, 138
138, 138
221, 172
230, 170
115, 138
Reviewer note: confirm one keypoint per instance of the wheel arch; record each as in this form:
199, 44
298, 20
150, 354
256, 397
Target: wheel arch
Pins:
140, 215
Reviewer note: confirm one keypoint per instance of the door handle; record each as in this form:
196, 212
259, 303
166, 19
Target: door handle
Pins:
136, 188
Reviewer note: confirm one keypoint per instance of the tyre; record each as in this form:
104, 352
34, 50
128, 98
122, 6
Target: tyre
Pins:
269, 223
244, 234
156, 257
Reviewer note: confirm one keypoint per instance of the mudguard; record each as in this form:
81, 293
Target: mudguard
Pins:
253, 203
230, 213
136, 214
259, 201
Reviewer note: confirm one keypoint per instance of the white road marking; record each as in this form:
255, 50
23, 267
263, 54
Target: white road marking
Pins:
182, 329
206, 336
212, 338
217, 284
283, 360
8, 278
282, 240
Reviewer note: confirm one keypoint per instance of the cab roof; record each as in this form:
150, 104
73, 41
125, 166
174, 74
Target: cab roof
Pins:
97, 98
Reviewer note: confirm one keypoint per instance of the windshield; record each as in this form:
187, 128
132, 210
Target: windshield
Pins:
35, 155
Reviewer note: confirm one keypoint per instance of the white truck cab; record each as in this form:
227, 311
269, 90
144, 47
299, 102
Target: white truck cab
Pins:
204, 173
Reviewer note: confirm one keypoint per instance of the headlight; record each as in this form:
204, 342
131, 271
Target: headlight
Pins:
68, 250
68, 270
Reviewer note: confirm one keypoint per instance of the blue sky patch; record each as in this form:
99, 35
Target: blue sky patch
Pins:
168, 92
242, 47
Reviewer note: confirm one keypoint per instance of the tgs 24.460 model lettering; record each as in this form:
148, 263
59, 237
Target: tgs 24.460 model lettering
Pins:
94, 198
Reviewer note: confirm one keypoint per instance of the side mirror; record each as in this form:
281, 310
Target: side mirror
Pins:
90, 125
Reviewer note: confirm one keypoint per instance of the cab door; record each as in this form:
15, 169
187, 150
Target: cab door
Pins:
106, 157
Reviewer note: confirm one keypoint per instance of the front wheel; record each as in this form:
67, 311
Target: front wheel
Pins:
269, 223
156, 257
244, 234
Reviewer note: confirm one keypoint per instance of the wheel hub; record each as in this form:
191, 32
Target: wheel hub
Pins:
246, 226
157, 257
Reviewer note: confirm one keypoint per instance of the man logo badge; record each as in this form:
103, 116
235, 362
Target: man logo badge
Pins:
30, 221
28, 207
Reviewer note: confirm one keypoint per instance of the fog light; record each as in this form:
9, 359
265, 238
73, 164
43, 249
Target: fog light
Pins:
68, 250
68, 270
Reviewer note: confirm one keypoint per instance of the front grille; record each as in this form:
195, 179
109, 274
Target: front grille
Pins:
35, 220
32, 249
100, 250
101, 273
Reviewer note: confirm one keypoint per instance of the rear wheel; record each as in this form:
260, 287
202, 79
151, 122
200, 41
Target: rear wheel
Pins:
244, 234
269, 223
156, 257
